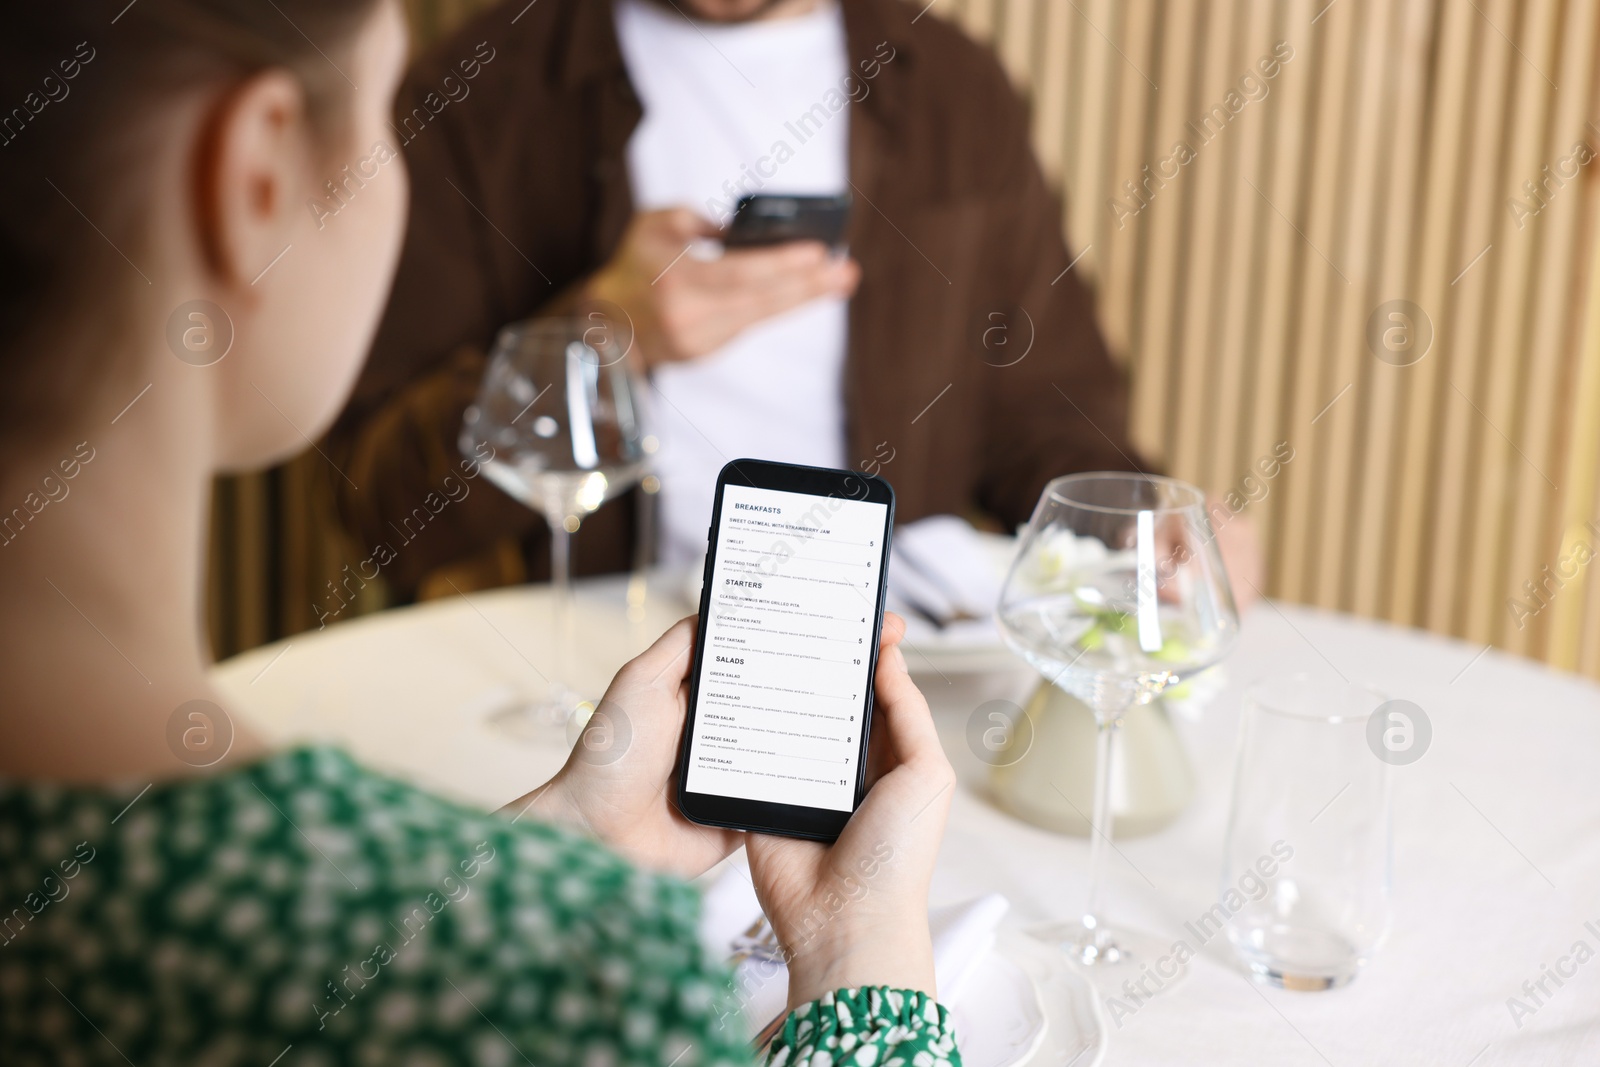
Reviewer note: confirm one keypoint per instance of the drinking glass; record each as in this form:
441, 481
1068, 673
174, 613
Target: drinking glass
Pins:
1310, 794
1117, 593
560, 407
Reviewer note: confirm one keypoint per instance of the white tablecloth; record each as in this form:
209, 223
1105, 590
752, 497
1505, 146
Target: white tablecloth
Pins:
1497, 827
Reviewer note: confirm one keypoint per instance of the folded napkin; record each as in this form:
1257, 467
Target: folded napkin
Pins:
944, 566
944, 579
962, 935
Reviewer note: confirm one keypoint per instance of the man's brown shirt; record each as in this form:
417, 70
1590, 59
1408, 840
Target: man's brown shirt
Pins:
975, 371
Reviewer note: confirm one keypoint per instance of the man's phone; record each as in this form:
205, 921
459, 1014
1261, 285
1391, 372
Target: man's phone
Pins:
770, 220
780, 690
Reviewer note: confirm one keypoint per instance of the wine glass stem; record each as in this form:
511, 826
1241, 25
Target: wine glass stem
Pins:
561, 585
643, 552
1108, 719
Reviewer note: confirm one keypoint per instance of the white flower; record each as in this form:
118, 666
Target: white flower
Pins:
1057, 553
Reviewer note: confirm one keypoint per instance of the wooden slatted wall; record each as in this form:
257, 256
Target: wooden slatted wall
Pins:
1384, 160
1381, 163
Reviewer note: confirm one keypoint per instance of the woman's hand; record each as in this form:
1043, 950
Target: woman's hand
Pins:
855, 912
618, 783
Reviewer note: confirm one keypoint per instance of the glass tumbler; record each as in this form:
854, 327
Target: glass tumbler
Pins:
1306, 871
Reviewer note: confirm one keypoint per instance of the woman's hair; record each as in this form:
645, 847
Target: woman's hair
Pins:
85, 89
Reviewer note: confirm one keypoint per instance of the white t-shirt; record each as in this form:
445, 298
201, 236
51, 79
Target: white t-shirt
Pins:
731, 110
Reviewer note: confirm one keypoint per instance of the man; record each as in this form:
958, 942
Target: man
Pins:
593, 152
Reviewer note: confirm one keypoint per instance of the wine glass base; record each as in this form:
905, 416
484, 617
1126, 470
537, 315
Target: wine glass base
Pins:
1117, 959
540, 721
1300, 983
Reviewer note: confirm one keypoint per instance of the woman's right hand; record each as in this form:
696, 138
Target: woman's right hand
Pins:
855, 913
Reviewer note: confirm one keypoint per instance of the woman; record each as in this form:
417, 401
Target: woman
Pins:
171, 309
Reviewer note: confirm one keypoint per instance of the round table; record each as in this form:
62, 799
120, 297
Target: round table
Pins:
1496, 827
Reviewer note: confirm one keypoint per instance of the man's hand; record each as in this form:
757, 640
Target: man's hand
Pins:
1239, 543
683, 307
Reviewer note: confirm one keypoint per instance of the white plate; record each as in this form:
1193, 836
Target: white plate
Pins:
999, 1021
1025, 1004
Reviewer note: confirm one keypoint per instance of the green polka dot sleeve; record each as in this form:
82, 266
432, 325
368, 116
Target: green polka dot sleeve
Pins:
865, 1028
306, 912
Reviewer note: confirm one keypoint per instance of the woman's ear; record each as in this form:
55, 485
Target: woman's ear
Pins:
251, 170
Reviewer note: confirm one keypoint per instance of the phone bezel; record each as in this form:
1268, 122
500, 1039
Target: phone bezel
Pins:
737, 813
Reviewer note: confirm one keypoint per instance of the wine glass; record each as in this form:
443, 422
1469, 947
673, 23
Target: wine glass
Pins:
1117, 593
560, 408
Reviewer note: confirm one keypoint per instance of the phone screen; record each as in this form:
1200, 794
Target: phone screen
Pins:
788, 647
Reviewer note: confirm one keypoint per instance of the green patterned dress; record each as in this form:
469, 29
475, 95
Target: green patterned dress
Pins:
304, 911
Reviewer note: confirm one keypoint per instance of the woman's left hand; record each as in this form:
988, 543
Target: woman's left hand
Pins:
619, 782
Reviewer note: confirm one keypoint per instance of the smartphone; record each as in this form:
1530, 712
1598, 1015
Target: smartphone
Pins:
769, 220
780, 690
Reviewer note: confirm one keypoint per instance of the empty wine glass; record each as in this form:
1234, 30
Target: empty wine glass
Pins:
1117, 593
559, 406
